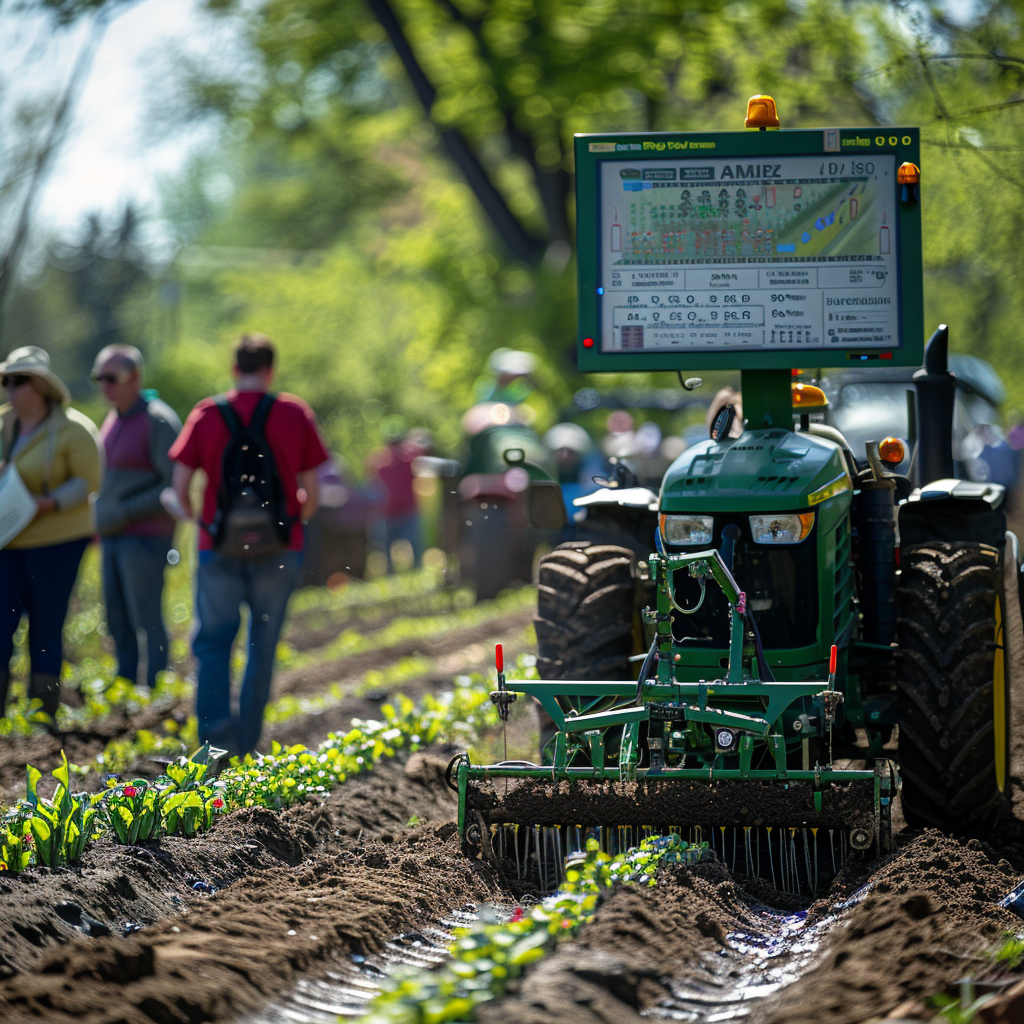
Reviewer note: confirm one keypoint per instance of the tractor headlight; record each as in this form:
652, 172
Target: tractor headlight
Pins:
788, 528
687, 529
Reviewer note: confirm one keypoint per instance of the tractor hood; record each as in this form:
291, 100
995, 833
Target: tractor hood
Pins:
761, 470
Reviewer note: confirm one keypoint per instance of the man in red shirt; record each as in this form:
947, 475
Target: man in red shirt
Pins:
225, 581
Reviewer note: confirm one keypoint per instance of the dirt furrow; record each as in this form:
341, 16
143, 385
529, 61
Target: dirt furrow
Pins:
343, 878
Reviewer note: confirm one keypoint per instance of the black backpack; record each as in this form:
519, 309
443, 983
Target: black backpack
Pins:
251, 520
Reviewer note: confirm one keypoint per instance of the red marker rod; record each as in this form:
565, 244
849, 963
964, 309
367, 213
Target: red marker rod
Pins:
499, 658
832, 658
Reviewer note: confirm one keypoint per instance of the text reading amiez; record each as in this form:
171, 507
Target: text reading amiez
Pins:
752, 171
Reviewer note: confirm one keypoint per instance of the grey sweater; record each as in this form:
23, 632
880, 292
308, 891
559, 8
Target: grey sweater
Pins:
136, 444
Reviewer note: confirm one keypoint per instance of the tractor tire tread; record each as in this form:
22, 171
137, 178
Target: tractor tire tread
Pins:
946, 636
584, 619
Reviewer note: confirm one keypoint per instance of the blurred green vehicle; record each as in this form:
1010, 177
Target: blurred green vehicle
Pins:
505, 461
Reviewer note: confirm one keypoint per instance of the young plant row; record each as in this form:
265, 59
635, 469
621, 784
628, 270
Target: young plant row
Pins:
489, 954
414, 627
102, 694
55, 831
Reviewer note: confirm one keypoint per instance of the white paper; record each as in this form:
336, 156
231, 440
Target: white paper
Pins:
17, 506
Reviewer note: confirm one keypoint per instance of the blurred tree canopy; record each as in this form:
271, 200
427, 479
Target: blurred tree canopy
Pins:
391, 197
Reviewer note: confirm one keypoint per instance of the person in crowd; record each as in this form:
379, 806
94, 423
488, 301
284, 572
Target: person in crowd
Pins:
391, 467
135, 528
577, 461
260, 453
55, 451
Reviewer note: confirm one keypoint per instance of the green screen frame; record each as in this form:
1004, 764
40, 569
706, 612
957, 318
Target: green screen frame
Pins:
904, 143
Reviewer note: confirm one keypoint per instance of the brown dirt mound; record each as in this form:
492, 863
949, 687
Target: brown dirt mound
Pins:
117, 889
929, 912
251, 940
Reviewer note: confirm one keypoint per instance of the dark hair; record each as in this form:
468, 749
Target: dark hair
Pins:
253, 353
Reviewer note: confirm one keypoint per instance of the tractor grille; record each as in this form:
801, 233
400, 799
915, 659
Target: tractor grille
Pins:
781, 584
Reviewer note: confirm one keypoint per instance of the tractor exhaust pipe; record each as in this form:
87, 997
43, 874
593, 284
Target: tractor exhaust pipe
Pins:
936, 392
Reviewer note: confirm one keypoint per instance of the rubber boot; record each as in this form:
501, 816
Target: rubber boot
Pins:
46, 688
5, 682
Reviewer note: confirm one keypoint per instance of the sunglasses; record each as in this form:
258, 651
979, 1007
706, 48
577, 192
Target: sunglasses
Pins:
106, 378
15, 380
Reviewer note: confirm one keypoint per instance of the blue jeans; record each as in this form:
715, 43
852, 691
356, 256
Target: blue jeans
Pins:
222, 585
133, 586
38, 581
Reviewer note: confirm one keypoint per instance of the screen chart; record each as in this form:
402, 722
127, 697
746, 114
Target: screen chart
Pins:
783, 253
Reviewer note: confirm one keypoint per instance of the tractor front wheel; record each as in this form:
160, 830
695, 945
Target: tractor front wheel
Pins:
586, 598
585, 601
952, 698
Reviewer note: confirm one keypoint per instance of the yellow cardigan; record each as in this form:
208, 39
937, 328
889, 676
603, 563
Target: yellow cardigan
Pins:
65, 445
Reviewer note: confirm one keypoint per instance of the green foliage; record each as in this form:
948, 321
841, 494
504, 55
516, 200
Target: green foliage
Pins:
52, 832
182, 802
487, 955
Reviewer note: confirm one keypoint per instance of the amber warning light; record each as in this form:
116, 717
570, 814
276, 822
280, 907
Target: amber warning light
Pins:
908, 177
892, 450
761, 113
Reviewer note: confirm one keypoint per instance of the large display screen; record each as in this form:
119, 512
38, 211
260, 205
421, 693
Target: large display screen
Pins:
795, 252
759, 250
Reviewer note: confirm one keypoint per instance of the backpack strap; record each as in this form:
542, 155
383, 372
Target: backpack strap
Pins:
234, 424
258, 423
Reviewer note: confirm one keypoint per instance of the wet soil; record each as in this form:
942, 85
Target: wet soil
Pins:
295, 890
280, 897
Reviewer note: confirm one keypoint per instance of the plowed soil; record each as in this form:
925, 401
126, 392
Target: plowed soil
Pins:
212, 928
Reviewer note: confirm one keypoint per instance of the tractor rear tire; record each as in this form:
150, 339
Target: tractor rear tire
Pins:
946, 680
585, 611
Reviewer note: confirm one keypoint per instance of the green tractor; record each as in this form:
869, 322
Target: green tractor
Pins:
806, 639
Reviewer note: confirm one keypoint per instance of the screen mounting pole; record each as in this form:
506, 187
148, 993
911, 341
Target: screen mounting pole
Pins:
767, 398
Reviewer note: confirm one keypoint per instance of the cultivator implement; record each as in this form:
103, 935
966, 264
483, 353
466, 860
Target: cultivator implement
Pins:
709, 760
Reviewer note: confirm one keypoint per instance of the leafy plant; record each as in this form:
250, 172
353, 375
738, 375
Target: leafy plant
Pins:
15, 846
134, 811
184, 802
59, 827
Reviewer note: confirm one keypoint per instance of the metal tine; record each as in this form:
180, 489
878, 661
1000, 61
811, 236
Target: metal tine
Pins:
748, 853
558, 848
832, 847
515, 843
536, 847
807, 861
757, 836
771, 859
734, 845
782, 859
792, 853
814, 832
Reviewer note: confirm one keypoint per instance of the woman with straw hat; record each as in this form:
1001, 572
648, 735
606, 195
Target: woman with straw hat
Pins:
54, 449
